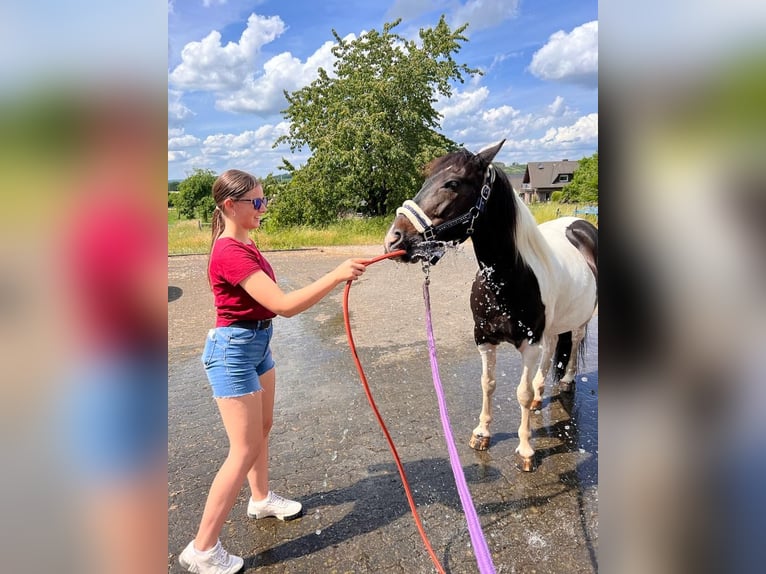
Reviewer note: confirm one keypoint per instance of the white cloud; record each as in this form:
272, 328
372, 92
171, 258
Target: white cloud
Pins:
208, 65
461, 103
499, 115
249, 150
585, 129
177, 111
265, 94
480, 14
260, 139
569, 57
557, 107
181, 141
177, 156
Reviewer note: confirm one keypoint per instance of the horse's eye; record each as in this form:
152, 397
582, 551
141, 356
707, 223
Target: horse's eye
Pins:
452, 185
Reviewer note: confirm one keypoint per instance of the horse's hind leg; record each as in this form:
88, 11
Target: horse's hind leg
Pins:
481, 434
565, 385
538, 384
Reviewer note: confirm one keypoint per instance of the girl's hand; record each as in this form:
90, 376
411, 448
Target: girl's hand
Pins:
350, 270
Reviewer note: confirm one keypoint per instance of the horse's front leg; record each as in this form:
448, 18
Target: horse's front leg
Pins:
530, 356
565, 384
481, 434
548, 347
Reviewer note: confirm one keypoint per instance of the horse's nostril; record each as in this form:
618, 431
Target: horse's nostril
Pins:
393, 239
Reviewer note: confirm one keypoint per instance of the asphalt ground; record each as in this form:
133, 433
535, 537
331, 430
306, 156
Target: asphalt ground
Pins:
328, 451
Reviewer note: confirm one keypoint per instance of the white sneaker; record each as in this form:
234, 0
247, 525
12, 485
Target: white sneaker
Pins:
213, 561
274, 505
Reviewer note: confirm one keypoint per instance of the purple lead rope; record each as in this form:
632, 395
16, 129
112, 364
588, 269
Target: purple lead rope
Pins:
479, 543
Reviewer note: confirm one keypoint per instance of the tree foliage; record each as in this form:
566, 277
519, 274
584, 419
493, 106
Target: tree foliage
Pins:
584, 185
195, 195
370, 126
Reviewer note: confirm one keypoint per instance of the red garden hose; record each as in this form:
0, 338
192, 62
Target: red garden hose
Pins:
367, 392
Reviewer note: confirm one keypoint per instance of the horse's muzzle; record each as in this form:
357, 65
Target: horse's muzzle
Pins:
397, 239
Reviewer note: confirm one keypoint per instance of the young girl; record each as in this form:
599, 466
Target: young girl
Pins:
238, 363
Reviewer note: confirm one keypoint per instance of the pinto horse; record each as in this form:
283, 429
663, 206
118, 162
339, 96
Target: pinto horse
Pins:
536, 286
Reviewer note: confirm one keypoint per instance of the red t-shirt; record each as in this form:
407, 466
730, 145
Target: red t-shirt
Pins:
230, 263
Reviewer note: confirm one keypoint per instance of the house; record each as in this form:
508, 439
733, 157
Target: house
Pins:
542, 178
516, 179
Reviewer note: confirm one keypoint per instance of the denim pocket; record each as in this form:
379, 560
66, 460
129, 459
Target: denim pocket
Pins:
209, 350
239, 336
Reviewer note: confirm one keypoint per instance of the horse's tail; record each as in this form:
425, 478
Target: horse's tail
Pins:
564, 351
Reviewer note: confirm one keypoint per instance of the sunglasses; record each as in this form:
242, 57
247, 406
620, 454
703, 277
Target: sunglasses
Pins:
258, 202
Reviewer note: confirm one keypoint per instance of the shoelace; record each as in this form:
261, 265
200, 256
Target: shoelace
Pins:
220, 556
278, 500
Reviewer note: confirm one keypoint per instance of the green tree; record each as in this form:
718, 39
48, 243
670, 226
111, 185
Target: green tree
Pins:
195, 195
584, 185
371, 126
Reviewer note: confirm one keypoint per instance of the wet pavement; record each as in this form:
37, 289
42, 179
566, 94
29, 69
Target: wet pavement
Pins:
328, 451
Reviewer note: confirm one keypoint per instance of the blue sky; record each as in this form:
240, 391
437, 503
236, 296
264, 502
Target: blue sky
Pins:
230, 60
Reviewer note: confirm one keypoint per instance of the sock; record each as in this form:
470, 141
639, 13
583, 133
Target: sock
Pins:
264, 501
205, 552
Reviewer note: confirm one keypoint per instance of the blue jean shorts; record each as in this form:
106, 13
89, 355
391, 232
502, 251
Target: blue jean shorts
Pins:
234, 358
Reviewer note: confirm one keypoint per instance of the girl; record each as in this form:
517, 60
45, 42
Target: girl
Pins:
238, 363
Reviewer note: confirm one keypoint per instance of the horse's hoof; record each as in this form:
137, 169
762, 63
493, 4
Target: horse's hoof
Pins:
526, 463
479, 442
565, 387
536, 405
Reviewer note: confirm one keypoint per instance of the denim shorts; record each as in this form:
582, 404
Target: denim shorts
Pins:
234, 358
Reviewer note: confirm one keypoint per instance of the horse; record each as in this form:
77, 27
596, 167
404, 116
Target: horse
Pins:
536, 285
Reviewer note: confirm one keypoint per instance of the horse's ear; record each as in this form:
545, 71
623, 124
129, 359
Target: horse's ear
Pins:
488, 154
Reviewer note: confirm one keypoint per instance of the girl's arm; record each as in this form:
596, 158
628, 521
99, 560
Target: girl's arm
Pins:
261, 288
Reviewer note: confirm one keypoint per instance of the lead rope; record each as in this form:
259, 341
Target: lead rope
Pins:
479, 543
367, 392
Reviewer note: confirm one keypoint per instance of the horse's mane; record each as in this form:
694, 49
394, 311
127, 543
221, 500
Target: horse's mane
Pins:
531, 246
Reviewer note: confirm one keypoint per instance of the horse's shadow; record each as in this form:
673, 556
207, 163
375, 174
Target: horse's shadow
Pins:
379, 500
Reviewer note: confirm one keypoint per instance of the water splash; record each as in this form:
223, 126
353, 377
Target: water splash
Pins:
430, 251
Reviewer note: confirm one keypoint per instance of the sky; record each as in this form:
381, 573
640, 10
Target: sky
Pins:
230, 61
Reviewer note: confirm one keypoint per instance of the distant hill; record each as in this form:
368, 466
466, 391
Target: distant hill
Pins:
513, 168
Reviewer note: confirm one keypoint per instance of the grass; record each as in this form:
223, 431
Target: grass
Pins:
191, 236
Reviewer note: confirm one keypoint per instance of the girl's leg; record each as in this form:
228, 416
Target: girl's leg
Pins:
258, 475
243, 420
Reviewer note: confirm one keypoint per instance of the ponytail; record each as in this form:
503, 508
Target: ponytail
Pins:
232, 183
216, 231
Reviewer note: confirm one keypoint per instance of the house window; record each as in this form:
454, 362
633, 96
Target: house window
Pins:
564, 177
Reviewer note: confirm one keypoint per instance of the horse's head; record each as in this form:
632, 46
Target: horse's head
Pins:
445, 209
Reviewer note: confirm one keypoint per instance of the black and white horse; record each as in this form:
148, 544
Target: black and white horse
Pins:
536, 284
